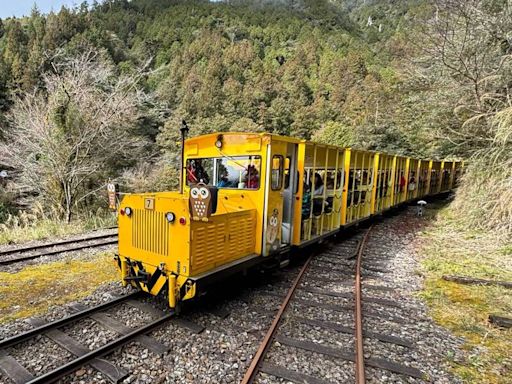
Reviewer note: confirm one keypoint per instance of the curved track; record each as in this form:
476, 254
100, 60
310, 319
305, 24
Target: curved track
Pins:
340, 262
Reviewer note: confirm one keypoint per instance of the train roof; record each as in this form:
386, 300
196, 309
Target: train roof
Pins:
295, 140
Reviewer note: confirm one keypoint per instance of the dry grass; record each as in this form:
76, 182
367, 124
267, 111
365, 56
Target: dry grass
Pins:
34, 289
29, 226
449, 248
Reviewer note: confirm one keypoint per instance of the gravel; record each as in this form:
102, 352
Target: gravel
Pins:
389, 261
103, 293
223, 351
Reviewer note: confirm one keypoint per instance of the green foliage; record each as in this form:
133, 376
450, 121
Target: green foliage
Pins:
335, 133
216, 63
367, 74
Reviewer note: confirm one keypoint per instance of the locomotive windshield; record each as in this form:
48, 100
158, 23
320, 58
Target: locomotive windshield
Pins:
239, 172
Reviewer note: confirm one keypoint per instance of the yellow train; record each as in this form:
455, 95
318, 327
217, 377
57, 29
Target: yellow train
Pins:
249, 198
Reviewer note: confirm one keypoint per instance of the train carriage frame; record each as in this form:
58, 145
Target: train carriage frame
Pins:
270, 194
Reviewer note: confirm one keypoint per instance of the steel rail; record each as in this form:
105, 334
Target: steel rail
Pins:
71, 366
57, 251
57, 243
16, 339
267, 340
360, 374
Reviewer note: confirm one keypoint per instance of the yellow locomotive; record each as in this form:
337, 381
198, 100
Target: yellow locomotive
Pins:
248, 198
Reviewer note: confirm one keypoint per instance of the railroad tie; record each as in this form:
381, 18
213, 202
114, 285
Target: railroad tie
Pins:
183, 323
14, 370
114, 373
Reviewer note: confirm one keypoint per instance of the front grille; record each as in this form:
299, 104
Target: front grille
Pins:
150, 231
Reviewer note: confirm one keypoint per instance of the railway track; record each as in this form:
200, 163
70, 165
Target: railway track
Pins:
81, 355
322, 302
30, 252
308, 290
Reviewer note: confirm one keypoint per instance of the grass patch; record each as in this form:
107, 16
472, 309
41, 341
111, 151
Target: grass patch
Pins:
20, 230
449, 248
34, 289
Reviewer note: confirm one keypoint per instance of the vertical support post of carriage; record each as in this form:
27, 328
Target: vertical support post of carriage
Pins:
346, 170
429, 177
370, 187
333, 222
406, 176
298, 226
440, 178
392, 178
418, 170
324, 197
376, 179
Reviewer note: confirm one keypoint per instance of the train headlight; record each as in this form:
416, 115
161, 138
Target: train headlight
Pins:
170, 217
218, 142
128, 211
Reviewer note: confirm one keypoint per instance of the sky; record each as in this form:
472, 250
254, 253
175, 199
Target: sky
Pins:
18, 8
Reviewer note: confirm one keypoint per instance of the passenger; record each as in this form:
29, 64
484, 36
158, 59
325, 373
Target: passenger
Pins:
191, 177
223, 181
412, 183
306, 201
319, 185
402, 182
196, 172
252, 180
200, 173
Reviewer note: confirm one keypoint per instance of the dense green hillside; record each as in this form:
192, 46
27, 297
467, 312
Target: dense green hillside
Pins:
385, 75
216, 63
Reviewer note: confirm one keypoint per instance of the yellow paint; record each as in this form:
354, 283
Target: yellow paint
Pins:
249, 222
172, 291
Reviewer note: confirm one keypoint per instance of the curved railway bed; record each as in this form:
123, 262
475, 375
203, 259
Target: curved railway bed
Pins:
215, 339
24, 253
336, 327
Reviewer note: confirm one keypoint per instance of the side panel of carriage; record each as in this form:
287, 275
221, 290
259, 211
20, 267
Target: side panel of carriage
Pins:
321, 189
384, 182
412, 182
400, 180
358, 187
423, 179
457, 173
435, 177
447, 175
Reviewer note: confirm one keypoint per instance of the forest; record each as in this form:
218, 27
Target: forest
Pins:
97, 92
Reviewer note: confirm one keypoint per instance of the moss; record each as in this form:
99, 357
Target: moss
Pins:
452, 250
34, 289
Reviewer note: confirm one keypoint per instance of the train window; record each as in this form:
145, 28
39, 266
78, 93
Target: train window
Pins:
333, 175
287, 163
277, 172
199, 171
239, 172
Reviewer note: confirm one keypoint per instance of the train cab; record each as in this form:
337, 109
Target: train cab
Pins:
240, 203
